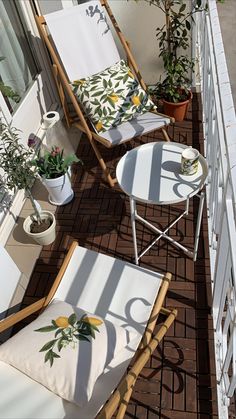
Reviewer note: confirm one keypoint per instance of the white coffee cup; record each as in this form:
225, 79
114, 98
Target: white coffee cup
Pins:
189, 161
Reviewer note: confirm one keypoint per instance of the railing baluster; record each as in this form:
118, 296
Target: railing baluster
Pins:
219, 124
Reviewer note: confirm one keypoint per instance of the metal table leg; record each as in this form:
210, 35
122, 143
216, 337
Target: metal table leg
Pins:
198, 226
133, 216
162, 234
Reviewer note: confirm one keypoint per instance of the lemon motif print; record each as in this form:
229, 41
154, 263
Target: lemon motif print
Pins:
130, 74
112, 97
62, 322
93, 320
69, 331
79, 82
136, 100
98, 126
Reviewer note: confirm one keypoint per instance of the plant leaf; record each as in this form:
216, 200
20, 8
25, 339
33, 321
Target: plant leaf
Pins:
60, 344
182, 8
72, 319
58, 332
46, 329
48, 357
55, 355
188, 25
48, 345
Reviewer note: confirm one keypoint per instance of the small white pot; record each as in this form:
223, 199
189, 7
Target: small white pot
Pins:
47, 236
60, 191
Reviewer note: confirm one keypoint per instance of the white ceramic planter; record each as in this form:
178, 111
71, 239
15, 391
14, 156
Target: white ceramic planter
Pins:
47, 236
60, 191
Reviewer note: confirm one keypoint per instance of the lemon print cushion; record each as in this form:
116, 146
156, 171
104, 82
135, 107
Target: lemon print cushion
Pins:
66, 349
111, 97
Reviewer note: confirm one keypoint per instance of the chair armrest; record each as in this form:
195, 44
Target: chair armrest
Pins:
171, 118
120, 397
22, 314
43, 302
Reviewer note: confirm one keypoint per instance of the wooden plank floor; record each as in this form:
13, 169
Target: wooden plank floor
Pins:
179, 381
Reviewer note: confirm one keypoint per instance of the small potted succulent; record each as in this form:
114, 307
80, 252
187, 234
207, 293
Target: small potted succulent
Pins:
54, 170
18, 174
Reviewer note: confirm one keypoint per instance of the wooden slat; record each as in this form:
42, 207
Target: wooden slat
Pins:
17, 317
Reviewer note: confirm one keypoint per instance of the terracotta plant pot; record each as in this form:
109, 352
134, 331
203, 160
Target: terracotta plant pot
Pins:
177, 110
46, 237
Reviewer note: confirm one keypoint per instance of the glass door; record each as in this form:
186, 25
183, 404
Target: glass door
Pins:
27, 89
18, 67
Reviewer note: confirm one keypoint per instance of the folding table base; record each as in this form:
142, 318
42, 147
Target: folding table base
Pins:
162, 234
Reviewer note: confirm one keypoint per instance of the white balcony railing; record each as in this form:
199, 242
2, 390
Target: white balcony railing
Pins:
220, 149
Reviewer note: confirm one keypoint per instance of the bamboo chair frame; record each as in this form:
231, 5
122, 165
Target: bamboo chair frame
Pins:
119, 399
62, 84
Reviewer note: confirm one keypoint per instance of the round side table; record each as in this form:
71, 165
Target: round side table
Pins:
151, 174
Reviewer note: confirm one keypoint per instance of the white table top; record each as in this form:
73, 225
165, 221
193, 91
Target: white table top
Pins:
151, 173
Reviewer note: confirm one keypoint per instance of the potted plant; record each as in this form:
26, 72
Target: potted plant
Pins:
54, 170
17, 174
173, 89
7, 91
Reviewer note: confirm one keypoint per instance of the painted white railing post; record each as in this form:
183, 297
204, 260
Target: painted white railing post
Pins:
219, 123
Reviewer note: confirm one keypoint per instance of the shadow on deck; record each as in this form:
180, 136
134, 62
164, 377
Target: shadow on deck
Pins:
179, 381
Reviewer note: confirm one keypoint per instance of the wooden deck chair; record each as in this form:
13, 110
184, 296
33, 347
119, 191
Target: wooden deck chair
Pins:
128, 296
80, 44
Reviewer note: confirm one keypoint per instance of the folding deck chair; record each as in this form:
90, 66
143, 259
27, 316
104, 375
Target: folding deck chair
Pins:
130, 297
80, 44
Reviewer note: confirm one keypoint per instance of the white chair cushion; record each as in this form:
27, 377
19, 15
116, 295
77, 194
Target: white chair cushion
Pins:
139, 125
66, 349
115, 290
24, 398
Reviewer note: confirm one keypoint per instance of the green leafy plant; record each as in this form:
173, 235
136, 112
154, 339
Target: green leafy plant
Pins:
174, 39
53, 164
7, 91
15, 160
68, 331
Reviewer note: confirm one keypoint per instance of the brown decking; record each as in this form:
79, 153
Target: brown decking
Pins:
179, 381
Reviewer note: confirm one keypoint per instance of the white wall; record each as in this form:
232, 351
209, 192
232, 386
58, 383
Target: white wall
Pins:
48, 6
138, 22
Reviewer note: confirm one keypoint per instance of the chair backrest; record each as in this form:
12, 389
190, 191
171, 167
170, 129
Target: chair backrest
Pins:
83, 39
124, 296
